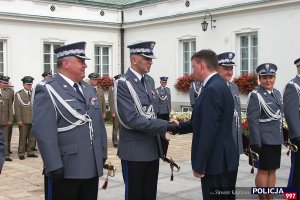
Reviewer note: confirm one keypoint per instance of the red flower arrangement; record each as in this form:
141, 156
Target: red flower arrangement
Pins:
246, 83
183, 83
105, 82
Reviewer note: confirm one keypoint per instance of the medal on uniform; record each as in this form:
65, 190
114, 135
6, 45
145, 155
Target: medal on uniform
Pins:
93, 100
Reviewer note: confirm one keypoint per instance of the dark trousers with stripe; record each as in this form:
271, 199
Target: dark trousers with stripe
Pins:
140, 179
73, 189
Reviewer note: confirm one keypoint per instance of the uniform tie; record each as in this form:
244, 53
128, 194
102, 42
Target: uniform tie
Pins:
272, 94
29, 94
77, 90
143, 81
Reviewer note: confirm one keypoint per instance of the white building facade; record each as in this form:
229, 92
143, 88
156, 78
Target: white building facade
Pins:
258, 31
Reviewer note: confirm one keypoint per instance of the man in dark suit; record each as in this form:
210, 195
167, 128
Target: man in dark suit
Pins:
140, 130
291, 100
69, 128
214, 155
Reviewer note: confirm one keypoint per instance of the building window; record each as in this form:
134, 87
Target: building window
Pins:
188, 49
2, 56
102, 60
248, 53
50, 60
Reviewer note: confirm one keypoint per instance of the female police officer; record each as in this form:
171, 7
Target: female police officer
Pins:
265, 125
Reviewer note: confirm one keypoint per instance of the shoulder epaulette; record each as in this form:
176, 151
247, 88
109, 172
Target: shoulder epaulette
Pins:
41, 83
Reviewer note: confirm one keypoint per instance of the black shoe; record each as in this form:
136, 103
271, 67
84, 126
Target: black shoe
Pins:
32, 156
21, 157
8, 159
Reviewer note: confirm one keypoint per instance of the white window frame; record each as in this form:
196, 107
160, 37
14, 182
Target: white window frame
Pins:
53, 62
4, 52
183, 61
251, 57
99, 67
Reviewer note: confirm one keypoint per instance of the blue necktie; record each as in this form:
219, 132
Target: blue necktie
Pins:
77, 90
143, 81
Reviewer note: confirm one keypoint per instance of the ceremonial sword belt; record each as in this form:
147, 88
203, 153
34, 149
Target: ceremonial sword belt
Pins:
81, 119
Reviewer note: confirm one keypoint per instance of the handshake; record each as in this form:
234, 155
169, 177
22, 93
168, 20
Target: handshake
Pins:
173, 127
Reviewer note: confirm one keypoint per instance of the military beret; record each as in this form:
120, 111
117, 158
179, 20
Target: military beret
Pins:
46, 73
297, 62
266, 69
225, 59
75, 49
27, 79
142, 48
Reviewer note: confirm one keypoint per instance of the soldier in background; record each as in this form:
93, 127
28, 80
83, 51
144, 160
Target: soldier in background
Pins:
291, 100
6, 113
23, 112
225, 70
46, 75
8, 87
163, 99
194, 91
94, 77
116, 123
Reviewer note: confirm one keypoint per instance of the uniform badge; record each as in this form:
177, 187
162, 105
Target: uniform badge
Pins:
267, 67
93, 100
65, 86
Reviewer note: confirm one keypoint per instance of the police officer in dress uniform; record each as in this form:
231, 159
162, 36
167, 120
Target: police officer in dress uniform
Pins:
94, 77
163, 99
140, 130
116, 123
195, 90
71, 135
225, 70
291, 100
265, 126
23, 112
6, 112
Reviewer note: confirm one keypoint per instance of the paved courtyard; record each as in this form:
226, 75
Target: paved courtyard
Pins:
22, 179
